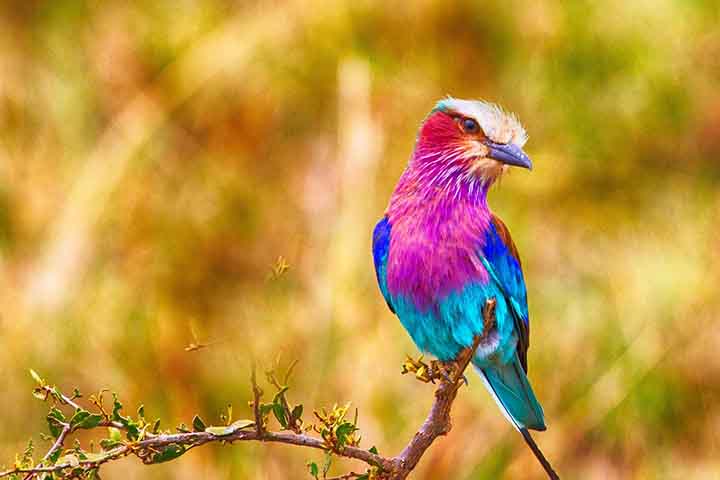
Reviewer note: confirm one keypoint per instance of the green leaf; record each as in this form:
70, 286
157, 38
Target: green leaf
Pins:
79, 416
93, 475
141, 411
219, 431
297, 412
314, 469
265, 409
156, 426
198, 424
26, 458
108, 444
280, 414
230, 429
242, 424
343, 431
364, 476
55, 455
133, 428
86, 420
114, 434
114, 439
55, 419
280, 393
117, 406
171, 452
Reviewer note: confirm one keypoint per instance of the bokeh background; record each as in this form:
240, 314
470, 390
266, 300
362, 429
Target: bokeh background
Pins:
158, 158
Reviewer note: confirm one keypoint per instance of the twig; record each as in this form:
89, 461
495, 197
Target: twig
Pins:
64, 399
60, 440
195, 439
347, 476
154, 448
257, 393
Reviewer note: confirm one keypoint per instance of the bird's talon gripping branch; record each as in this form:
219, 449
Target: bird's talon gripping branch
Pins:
428, 372
446, 370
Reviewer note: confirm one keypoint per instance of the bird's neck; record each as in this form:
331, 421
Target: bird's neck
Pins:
438, 192
436, 231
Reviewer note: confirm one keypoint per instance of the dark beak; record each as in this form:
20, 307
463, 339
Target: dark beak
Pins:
509, 154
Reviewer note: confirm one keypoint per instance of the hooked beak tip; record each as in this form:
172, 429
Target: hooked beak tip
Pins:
509, 154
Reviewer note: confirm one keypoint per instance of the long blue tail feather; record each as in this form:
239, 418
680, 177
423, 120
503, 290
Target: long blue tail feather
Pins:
509, 385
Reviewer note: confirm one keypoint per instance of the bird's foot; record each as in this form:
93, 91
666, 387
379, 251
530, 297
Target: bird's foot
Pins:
429, 372
451, 372
426, 372
447, 370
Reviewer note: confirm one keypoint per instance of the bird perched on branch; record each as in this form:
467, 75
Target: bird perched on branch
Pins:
440, 252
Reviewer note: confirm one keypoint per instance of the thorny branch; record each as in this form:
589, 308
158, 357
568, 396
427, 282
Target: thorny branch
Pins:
337, 434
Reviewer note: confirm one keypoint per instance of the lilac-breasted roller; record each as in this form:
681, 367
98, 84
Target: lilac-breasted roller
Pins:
440, 252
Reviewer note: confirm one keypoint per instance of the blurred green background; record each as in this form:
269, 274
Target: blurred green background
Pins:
158, 157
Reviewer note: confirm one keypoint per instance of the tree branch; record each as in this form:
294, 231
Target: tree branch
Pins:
337, 434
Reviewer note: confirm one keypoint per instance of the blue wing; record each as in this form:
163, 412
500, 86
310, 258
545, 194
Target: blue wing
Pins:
508, 382
501, 259
381, 245
444, 330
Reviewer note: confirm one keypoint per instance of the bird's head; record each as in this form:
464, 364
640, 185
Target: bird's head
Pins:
470, 141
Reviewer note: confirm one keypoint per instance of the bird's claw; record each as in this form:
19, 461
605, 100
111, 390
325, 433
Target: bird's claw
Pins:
426, 372
429, 372
446, 371
452, 375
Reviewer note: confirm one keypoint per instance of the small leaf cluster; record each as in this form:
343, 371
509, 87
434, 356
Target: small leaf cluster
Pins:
135, 435
335, 429
24, 460
289, 416
319, 473
66, 416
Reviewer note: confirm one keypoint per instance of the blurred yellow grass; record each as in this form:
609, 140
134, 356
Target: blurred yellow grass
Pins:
156, 159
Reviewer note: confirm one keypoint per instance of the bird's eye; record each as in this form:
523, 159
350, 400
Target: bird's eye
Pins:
469, 125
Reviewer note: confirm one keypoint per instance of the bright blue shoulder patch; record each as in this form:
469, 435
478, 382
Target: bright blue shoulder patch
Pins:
381, 245
505, 270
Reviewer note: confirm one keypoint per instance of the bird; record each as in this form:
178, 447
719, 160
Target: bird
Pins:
440, 253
